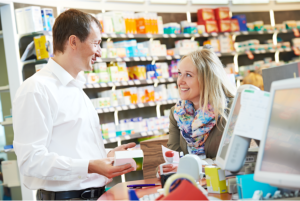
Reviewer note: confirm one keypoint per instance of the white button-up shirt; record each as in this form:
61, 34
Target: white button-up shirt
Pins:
56, 132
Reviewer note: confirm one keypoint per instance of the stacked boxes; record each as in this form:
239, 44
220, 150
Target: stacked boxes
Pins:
29, 19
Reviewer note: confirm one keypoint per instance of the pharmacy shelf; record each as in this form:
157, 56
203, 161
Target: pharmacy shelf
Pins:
204, 35
1, 34
6, 123
7, 150
266, 51
35, 33
129, 83
135, 106
33, 61
136, 135
4, 89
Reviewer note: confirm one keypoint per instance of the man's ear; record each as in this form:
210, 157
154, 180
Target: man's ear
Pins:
73, 42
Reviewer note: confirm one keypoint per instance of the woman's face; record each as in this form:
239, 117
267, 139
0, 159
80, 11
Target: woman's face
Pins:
187, 81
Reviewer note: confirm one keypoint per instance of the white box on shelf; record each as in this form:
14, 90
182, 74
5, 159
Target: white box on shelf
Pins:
20, 19
33, 19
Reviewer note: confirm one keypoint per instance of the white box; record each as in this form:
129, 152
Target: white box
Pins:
33, 19
133, 157
10, 173
20, 20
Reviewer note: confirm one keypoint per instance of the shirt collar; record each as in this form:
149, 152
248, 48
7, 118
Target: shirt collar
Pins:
63, 76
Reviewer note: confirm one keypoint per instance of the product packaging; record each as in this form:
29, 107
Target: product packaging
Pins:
215, 179
222, 13
235, 25
210, 26
205, 14
40, 47
224, 25
242, 21
133, 157
48, 19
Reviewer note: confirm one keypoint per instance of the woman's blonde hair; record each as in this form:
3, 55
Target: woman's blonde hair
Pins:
215, 86
254, 79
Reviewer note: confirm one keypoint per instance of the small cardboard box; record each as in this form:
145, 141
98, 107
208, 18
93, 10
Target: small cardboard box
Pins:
205, 14
133, 157
222, 13
210, 26
215, 179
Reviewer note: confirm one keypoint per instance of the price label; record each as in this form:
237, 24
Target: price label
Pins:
284, 31
214, 34
168, 57
130, 35
124, 83
169, 101
151, 103
143, 58
149, 58
141, 105
99, 111
111, 109
171, 79
132, 106
110, 84
280, 50
127, 137
83, 87
143, 134
165, 35
174, 101
105, 110
237, 33
123, 35
260, 32
117, 84
245, 32
177, 57
166, 130
89, 86
113, 35
270, 31
218, 54
288, 49
125, 107
233, 53
162, 80
136, 58
112, 139
103, 84
130, 82
119, 108
137, 82
149, 35
98, 59
256, 51
126, 59
155, 58
96, 85
156, 132
104, 35
205, 34
197, 35
173, 35
263, 51
104, 142
187, 35
164, 102
118, 59
226, 34
149, 81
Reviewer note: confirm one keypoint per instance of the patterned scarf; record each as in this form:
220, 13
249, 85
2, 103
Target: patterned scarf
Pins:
194, 125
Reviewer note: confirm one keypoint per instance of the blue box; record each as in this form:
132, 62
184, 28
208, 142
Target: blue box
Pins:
132, 51
246, 186
242, 21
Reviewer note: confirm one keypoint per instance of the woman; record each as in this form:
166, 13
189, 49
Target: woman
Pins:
197, 121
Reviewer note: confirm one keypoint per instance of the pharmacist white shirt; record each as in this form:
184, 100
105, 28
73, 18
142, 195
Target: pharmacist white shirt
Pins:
56, 132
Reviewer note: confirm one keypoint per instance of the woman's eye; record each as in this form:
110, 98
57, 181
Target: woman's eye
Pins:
179, 73
188, 75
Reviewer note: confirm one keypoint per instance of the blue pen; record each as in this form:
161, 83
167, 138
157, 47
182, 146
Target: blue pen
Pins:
141, 185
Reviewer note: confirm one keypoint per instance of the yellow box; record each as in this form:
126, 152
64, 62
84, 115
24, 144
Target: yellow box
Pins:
215, 179
40, 47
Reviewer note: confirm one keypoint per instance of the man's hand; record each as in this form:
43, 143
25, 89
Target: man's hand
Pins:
105, 167
168, 168
123, 147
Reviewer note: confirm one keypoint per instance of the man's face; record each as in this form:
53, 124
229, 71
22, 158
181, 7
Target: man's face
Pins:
90, 48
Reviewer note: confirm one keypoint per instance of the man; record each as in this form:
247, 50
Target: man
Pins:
57, 140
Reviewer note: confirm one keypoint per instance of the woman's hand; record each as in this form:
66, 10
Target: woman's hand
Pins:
168, 168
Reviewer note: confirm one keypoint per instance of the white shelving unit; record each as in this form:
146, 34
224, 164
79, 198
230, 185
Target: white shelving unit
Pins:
4, 89
6, 123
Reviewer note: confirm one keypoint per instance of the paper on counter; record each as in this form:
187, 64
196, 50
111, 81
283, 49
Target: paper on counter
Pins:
175, 157
251, 119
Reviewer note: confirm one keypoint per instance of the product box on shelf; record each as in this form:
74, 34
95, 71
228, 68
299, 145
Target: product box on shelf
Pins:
99, 17
226, 44
210, 26
40, 47
224, 25
250, 27
130, 23
235, 25
137, 72
201, 29
171, 28
215, 43
121, 52
117, 21
258, 25
160, 25
113, 73
29, 19
107, 24
48, 19
290, 24
242, 21
205, 14
279, 27
222, 13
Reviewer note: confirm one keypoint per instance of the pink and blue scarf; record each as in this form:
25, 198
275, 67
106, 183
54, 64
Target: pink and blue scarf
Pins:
194, 126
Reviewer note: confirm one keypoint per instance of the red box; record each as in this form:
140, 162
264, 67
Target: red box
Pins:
222, 13
210, 26
205, 14
224, 25
235, 25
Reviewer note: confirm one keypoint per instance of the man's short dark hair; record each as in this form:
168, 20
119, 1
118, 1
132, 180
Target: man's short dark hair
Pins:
71, 22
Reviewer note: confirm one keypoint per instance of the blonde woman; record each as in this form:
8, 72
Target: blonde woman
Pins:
197, 121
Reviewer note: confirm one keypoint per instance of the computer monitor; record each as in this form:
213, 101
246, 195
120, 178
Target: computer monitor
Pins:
233, 149
278, 161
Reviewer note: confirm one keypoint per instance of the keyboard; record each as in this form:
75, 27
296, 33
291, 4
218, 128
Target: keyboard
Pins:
149, 197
